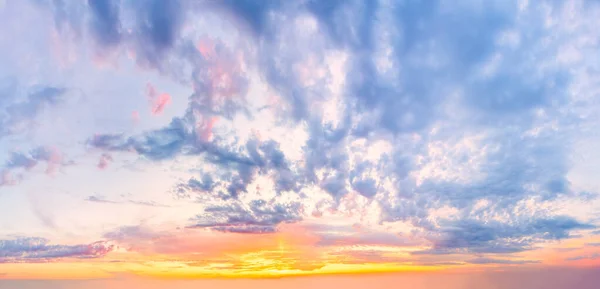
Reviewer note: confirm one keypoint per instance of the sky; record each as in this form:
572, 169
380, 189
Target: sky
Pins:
299, 142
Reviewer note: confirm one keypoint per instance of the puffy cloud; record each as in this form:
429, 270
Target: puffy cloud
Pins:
256, 217
157, 101
400, 103
494, 237
477, 114
49, 155
22, 162
25, 250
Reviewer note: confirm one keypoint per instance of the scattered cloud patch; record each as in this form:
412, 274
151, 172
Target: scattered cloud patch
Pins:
30, 250
103, 200
483, 260
584, 257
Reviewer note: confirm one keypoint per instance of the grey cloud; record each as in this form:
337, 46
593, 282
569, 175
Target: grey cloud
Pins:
584, 257
158, 26
106, 23
256, 218
147, 203
251, 14
367, 256
19, 162
346, 235
494, 237
102, 199
154, 31
206, 184
348, 23
68, 15
335, 185
366, 187
435, 53
99, 199
128, 233
24, 250
484, 260
18, 112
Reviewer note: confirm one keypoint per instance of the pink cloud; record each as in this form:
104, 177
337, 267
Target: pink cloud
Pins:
150, 91
204, 128
222, 78
105, 160
206, 48
6, 179
135, 116
193, 242
54, 160
158, 101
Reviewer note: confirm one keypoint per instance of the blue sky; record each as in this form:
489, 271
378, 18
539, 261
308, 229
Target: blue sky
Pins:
386, 133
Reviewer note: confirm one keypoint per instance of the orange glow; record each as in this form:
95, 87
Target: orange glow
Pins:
293, 251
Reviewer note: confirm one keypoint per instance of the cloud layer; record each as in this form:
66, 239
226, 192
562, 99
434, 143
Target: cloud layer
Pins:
24, 250
425, 131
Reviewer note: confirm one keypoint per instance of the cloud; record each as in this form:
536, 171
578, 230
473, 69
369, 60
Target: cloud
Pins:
249, 14
106, 23
128, 232
400, 105
105, 159
584, 257
494, 237
99, 199
257, 217
19, 163
476, 113
102, 199
151, 34
26, 250
50, 155
349, 236
157, 28
18, 112
483, 260
368, 257
7, 179
157, 101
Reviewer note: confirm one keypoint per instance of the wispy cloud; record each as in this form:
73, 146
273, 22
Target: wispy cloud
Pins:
24, 250
101, 199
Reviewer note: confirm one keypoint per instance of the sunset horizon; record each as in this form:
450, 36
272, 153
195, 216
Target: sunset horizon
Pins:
299, 144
